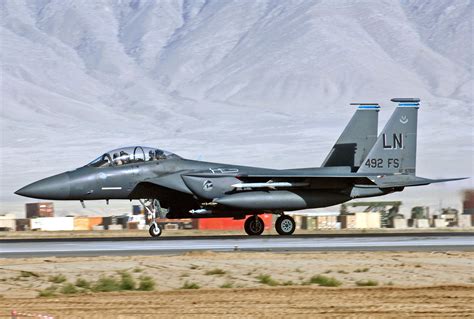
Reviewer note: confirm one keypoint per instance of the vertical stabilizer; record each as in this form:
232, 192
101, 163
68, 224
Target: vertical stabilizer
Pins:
357, 139
395, 149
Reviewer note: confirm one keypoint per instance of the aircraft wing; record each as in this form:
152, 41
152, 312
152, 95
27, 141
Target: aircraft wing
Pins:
288, 179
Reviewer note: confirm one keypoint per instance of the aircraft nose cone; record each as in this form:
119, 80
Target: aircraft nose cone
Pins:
54, 187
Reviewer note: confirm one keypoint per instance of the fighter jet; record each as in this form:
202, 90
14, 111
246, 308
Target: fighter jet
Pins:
360, 164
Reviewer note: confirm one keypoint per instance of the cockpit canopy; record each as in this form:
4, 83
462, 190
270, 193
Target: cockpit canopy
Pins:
132, 154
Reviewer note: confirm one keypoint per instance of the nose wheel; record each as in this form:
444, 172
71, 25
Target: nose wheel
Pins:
285, 225
254, 226
155, 230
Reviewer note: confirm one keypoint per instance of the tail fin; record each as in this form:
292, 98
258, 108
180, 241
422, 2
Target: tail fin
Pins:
395, 149
357, 139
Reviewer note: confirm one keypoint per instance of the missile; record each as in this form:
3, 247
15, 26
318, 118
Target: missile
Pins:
269, 185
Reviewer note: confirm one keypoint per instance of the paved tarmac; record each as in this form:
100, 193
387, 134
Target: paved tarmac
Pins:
173, 245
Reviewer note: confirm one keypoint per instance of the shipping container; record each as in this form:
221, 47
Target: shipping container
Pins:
399, 223
132, 225
422, 223
52, 223
81, 223
109, 220
94, 221
367, 220
374, 220
23, 224
348, 221
43, 209
325, 222
123, 221
465, 221
137, 209
468, 203
229, 223
298, 220
183, 223
7, 222
438, 222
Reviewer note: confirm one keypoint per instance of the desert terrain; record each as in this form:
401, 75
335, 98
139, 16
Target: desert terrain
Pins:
242, 284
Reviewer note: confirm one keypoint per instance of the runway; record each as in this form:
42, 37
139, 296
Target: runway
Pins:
173, 245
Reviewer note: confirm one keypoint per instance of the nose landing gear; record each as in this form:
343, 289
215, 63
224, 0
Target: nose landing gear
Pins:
153, 208
155, 230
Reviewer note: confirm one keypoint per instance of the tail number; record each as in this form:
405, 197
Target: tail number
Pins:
379, 163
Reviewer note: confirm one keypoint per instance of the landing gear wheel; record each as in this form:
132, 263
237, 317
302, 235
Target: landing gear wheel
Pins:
285, 225
254, 226
155, 230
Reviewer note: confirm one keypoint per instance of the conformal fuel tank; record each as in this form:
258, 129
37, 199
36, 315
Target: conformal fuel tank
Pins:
283, 200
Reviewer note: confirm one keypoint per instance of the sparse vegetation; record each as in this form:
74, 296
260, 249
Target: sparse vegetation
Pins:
137, 269
215, 271
146, 283
190, 285
362, 270
227, 285
106, 284
82, 283
57, 279
328, 271
325, 281
343, 272
69, 288
390, 283
367, 283
25, 274
288, 283
48, 292
127, 282
194, 267
267, 280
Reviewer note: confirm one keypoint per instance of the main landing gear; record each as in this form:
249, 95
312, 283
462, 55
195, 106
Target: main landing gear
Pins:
254, 226
153, 208
284, 225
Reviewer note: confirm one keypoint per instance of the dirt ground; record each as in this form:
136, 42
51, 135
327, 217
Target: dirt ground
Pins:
408, 284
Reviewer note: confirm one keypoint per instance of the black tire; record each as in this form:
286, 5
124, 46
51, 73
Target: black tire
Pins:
254, 226
285, 225
155, 230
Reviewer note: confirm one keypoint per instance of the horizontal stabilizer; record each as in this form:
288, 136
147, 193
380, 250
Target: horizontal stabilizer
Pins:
409, 180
